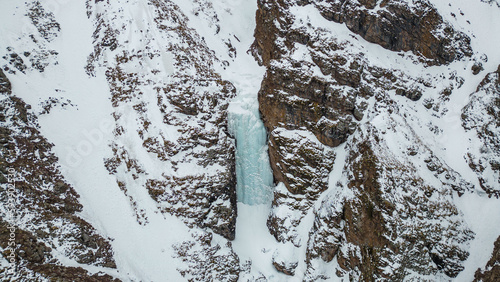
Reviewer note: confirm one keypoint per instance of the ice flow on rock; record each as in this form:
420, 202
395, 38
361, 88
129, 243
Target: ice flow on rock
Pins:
253, 172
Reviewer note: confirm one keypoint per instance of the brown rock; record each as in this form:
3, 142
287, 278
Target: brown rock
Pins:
4, 83
491, 272
292, 100
398, 27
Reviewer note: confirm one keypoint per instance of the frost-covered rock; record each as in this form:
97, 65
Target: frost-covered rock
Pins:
387, 220
206, 260
39, 207
302, 164
482, 114
182, 116
285, 260
391, 212
362, 132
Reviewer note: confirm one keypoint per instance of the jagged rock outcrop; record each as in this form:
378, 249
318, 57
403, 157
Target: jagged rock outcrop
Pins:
302, 164
482, 115
389, 222
294, 95
491, 272
38, 205
397, 25
205, 260
183, 156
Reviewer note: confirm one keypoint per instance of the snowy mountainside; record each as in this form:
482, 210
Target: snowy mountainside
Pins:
269, 140
482, 114
194, 143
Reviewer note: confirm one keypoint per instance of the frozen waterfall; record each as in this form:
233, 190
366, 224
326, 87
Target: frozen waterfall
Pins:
253, 172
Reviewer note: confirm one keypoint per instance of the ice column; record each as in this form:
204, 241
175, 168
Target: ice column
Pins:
253, 172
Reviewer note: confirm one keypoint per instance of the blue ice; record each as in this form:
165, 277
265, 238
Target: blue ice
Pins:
253, 171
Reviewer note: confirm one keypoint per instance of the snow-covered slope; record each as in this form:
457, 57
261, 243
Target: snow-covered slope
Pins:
270, 140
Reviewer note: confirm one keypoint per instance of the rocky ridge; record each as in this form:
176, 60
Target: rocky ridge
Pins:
491, 271
486, 164
195, 104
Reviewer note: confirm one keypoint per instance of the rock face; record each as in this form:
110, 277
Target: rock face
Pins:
171, 143
391, 215
204, 259
302, 164
396, 25
180, 108
482, 115
192, 101
392, 222
39, 205
414, 26
491, 272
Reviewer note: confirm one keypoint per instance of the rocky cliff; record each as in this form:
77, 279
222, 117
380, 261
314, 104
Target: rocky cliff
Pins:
491, 271
392, 212
194, 99
169, 111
